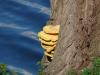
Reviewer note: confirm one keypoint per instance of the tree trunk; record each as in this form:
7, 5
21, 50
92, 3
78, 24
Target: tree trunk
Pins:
79, 38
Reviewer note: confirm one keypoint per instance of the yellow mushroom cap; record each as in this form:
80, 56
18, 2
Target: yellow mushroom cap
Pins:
48, 48
47, 37
47, 43
51, 29
44, 36
52, 58
52, 52
47, 54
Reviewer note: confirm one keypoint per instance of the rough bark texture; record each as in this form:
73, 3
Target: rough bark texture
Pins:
79, 38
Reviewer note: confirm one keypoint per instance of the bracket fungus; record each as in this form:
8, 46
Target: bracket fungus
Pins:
47, 43
50, 29
48, 48
48, 38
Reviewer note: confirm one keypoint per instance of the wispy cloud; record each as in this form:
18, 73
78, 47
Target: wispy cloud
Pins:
43, 9
19, 70
30, 34
24, 32
14, 26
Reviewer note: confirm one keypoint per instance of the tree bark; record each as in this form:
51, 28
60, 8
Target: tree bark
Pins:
79, 38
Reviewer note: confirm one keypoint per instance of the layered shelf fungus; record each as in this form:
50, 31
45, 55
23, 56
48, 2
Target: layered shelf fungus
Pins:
48, 38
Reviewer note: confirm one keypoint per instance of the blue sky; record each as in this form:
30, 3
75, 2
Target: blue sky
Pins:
20, 21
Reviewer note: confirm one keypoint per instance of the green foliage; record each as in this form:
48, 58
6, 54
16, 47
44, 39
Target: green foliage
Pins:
4, 70
86, 71
96, 67
41, 70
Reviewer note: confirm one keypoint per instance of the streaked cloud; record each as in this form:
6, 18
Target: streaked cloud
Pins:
19, 70
14, 26
30, 34
24, 32
43, 9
